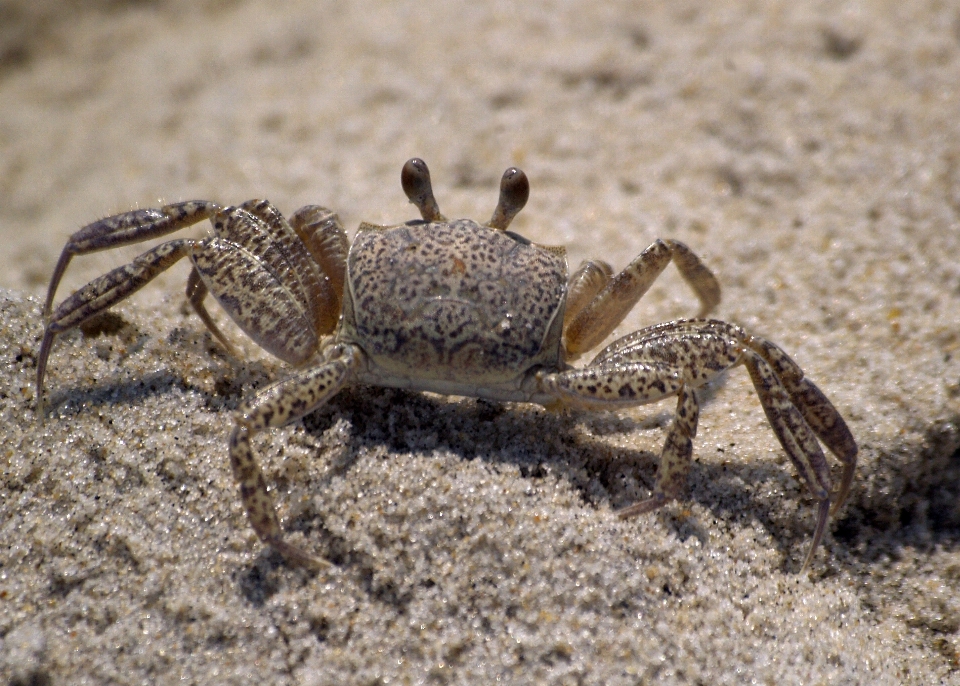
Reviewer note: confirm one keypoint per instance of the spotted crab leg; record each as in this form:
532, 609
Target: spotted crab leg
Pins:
274, 406
589, 321
126, 229
797, 439
676, 358
281, 284
818, 412
102, 293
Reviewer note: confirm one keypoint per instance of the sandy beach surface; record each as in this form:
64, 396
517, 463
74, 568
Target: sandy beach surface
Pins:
808, 151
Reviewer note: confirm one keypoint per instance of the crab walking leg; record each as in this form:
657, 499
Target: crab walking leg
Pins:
275, 313
125, 229
104, 292
321, 231
817, 410
797, 439
275, 406
676, 357
697, 275
829, 426
196, 293
676, 458
584, 284
598, 318
637, 383
259, 228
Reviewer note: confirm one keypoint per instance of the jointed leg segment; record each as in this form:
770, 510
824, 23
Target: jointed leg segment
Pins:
677, 357
589, 320
818, 412
676, 458
275, 406
102, 293
197, 292
282, 285
126, 229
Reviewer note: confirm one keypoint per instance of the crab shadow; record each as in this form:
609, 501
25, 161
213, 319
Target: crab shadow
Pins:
112, 392
230, 378
910, 499
578, 448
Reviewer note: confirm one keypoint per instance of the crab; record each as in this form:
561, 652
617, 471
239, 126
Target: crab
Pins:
452, 307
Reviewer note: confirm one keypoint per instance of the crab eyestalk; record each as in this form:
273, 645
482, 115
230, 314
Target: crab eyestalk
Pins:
415, 179
514, 192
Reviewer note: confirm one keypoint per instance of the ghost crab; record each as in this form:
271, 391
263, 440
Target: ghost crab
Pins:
452, 307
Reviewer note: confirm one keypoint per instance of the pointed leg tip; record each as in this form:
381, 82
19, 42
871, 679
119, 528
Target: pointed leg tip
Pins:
823, 516
299, 558
40, 408
644, 506
846, 482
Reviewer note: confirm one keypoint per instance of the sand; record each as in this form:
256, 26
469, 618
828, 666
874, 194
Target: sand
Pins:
809, 152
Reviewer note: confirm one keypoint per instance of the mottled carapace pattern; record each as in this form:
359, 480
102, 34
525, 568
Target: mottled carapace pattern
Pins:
453, 301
